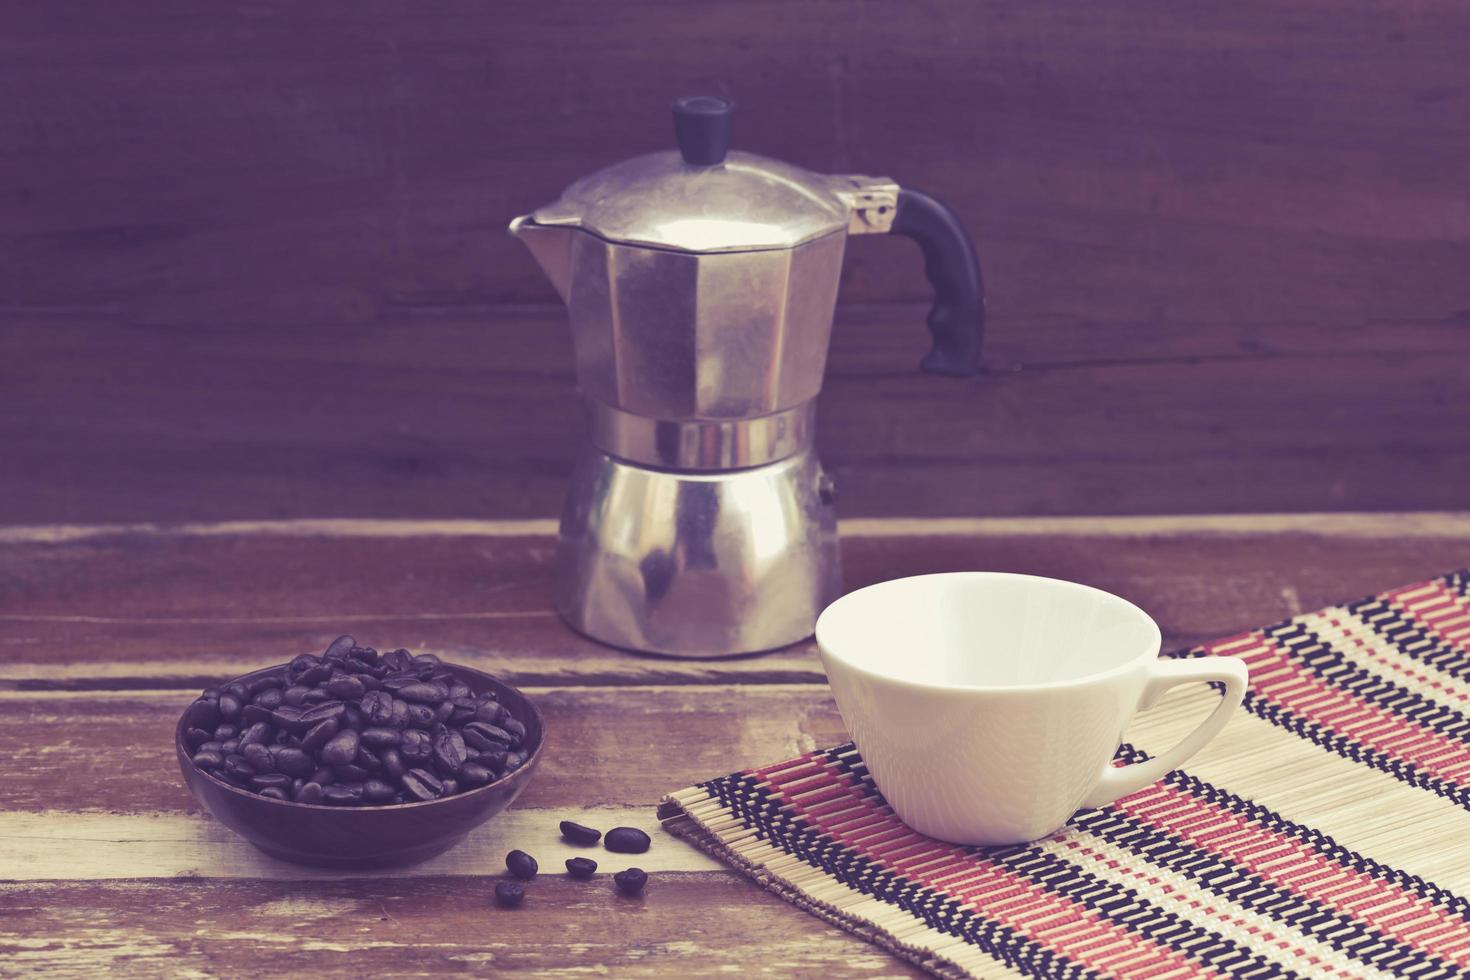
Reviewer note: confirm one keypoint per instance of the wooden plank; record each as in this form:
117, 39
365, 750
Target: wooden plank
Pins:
1138, 159
159, 609
623, 746
685, 925
474, 414
66, 845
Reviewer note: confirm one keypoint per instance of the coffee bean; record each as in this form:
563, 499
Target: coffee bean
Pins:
352, 718
422, 785
484, 736
474, 774
449, 749
393, 764
427, 660
381, 738
443, 712
302, 663
319, 735
578, 834
210, 746
204, 714
516, 730
398, 660
420, 716
417, 746
258, 756
343, 794
324, 776
210, 694
514, 760
236, 690
263, 683
293, 762
288, 716
339, 648
398, 680
491, 758
321, 712
269, 698
351, 773
208, 759
254, 714
626, 840
341, 749
490, 712
230, 746
309, 793
377, 791
631, 882
368, 759
521, 864
196, 737
295, 695
581, 867
226, 709
451, 786
277, 779
400, 713
346, 687
236, 767
274, 793
458, 689
259, 732
377, 708
315, 675
225, 732
508, 894
423, 693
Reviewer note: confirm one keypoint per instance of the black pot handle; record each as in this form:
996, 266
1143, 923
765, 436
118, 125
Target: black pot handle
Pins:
957, 319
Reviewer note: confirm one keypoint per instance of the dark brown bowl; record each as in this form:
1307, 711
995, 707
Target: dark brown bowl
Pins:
366, 836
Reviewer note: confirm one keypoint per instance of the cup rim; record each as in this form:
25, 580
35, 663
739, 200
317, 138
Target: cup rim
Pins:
1150, 653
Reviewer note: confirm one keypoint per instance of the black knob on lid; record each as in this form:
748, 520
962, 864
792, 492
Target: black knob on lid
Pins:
702, 127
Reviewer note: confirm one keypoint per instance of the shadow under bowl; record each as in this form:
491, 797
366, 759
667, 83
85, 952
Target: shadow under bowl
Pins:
366, 836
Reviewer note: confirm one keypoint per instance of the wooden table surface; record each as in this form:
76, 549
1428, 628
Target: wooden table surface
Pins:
106, 632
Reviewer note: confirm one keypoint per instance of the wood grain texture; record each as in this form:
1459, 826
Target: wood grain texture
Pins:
161, 610
685, 925
1146, 160
620, 746
474, 414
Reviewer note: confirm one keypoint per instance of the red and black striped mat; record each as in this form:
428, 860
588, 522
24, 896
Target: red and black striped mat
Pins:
1325, 833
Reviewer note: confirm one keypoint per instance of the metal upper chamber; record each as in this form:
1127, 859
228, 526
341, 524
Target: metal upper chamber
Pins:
700, 285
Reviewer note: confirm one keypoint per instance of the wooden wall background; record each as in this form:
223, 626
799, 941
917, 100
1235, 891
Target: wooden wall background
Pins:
252, 258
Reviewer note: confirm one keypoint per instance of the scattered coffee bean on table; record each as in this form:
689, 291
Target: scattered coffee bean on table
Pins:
580, 867
508, 894
354, 727
626, 840
631, 881
575, 833
521, 864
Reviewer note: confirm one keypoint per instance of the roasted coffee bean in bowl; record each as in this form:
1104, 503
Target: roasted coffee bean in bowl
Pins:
356, 758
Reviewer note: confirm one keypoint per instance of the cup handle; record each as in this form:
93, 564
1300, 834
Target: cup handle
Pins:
1119, 781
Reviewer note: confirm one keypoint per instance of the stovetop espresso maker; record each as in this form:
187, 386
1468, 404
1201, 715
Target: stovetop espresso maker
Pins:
700, 285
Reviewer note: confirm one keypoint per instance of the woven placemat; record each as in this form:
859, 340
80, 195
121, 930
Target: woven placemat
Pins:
1325, 833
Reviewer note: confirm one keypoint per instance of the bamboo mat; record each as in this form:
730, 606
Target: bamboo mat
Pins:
1325, 833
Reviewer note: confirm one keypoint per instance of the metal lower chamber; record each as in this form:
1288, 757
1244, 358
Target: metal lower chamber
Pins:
697, 564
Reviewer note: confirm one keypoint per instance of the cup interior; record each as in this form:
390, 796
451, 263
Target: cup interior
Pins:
985, 629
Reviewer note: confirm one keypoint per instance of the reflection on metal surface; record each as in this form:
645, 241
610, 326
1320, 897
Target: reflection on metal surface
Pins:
702, 444
701, 565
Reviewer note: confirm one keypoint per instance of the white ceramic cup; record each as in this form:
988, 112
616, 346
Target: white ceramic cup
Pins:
988, 706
